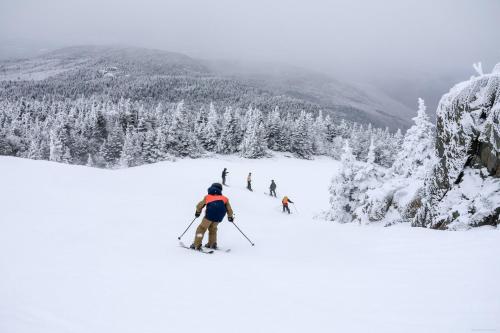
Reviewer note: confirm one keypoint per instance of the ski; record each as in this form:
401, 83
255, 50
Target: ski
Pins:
223, 250
218, 249
181, 244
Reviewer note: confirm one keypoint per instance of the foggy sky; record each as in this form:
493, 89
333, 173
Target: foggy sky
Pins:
347, 36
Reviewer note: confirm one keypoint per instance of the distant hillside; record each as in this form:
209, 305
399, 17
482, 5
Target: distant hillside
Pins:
154, 75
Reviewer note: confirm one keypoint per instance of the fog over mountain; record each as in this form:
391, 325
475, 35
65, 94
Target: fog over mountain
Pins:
150, 76
434, 43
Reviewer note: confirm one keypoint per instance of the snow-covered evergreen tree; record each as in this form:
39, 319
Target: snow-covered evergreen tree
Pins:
149, 150
130, 152
416, 154
342, 188
370, 159
90, 161
253, 144
181, 139
287, 126
274, 130
161, 144
36, 148
320, 135
212, 130
113, 146
56, 147
228, 141
302, 136
200, 124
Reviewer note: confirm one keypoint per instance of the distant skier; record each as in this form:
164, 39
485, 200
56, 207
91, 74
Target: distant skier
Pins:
224, 174
272, 188
249, 182
285, 202
217, 206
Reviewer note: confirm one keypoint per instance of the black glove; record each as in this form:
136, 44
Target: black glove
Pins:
197, 214
230, 218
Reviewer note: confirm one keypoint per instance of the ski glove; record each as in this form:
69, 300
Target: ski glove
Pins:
197, 214
230, 218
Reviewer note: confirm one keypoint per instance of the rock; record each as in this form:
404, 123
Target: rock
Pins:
467, 137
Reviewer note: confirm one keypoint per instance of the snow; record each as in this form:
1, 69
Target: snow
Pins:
472, 200
93, 250
37, 69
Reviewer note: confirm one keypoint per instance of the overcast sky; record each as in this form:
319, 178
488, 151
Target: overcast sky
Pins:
331, 35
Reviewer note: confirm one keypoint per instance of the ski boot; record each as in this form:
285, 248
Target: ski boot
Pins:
193, 247
213, 246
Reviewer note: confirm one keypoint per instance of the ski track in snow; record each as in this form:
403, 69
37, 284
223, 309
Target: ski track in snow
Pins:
90, 250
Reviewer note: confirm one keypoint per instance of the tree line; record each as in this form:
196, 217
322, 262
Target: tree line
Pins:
103, 133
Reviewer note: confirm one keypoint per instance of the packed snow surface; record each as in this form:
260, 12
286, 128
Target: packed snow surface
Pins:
91, 250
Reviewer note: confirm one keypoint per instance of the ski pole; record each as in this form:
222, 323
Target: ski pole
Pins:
243, 234
295, 207
189, 226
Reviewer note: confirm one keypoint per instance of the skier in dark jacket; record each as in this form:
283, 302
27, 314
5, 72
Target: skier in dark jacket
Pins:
272, 188
249, 182
285, 202
217, 206
224, 174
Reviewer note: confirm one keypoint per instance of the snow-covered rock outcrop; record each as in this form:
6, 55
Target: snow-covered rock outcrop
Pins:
463, 189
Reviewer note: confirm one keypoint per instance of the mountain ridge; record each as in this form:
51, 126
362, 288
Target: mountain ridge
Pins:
170, 76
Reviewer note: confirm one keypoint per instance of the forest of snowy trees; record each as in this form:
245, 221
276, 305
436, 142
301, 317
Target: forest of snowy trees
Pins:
96, 132
366, 192
444, 176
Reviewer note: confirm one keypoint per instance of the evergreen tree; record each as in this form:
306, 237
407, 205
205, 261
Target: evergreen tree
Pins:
302, 138
90, 161
228, 142
181, 140
343, 129
342, 189
284, 141
274, 134
330, 129
253, 144
113, 146
360, 139
56, 147
370, 159
211, 131
320, 135
131, 154
417, 151
200, 125
161, 144
149, 151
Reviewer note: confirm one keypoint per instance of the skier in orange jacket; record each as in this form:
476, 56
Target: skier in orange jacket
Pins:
285, 202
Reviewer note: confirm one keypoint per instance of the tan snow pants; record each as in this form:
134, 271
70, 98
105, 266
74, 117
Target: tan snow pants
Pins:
202, 228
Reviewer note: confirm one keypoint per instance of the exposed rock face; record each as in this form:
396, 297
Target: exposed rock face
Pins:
467, 138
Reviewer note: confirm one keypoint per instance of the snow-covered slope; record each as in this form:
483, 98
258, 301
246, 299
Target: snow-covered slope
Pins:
90, 250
